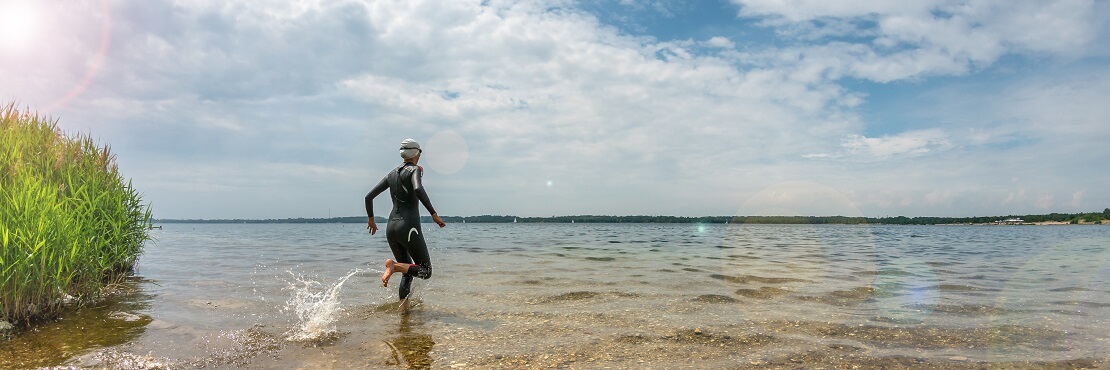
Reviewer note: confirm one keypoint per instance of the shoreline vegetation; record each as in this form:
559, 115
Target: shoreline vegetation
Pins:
71, 227
1045, 219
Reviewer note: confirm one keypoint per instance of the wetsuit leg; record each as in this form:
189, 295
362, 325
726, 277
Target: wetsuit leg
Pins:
400, 254
421, 267
418, 253
408, 247
405, 287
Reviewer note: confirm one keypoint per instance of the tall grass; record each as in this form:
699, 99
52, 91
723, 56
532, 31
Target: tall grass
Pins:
69, 224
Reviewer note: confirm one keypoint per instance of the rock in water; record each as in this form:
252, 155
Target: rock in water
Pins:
6, 329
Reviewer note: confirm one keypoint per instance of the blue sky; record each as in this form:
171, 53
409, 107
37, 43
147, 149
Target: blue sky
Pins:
258, 109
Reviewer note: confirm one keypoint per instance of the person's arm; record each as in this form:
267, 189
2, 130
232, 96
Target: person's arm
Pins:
418, 185
370, 224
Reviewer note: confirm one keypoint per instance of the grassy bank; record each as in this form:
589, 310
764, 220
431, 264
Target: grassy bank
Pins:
69, 224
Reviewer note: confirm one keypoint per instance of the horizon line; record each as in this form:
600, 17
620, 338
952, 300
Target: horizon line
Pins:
620, 216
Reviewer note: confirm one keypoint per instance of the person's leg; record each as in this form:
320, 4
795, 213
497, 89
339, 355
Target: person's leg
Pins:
418, 263
403, 291
401, 260
417, 251
404, 304
421, 267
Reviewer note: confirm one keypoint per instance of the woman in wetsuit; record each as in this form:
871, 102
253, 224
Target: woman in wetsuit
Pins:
403, 233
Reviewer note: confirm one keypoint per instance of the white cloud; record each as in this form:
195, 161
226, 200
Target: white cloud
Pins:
720, 42
807, 10
892, 40
908, 143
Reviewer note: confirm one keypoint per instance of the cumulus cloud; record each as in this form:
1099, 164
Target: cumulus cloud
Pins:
889, 41
720, 42
908, 143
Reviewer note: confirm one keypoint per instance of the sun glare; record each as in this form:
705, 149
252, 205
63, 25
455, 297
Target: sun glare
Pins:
18, 24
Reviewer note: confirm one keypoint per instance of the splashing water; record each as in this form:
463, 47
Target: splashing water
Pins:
316, 309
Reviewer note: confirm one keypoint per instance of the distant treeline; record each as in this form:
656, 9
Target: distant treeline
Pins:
1093, 217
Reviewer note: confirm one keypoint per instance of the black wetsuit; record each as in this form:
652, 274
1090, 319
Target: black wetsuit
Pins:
403, 229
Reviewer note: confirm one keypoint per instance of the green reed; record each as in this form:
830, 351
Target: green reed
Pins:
69, 224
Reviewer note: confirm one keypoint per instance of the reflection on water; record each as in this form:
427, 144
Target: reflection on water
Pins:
113, 321
595, 296
411, 345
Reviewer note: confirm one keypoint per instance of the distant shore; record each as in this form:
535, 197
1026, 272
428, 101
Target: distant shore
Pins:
1045, 219
1040, 223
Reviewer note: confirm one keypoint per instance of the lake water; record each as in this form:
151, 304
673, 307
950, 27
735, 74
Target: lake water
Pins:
601, 295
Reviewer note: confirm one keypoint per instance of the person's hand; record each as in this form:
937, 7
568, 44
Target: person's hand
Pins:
370, 225
439, 221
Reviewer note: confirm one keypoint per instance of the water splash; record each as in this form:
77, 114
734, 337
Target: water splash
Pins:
317, 308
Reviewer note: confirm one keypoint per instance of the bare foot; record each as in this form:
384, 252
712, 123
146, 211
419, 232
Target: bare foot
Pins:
404, 306
388, 272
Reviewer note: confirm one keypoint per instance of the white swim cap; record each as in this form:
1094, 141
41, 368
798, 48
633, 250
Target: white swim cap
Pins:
409, 148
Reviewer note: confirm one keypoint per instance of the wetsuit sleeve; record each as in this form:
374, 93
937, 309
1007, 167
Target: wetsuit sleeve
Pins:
418, 184
373, 193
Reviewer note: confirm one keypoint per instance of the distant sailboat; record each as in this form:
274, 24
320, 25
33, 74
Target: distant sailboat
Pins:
514, 220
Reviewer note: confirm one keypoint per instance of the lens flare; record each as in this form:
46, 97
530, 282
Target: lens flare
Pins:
19, 23
905, 289
95, 63
77, 34
447, 152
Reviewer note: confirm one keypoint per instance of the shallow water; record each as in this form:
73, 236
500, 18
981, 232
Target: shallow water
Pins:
591, 296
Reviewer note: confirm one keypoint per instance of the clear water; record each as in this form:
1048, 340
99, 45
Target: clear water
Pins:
591, 296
